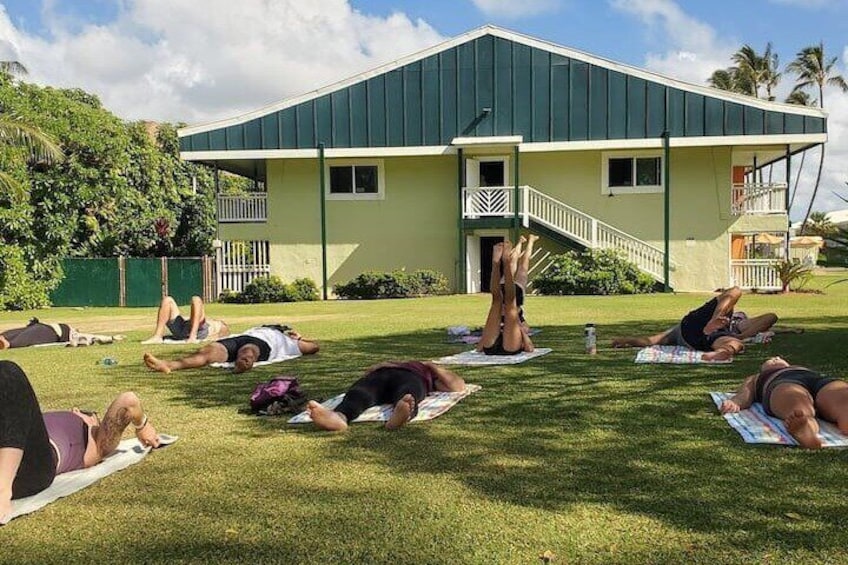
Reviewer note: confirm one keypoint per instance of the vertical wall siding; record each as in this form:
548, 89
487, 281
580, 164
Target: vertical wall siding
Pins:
539, 95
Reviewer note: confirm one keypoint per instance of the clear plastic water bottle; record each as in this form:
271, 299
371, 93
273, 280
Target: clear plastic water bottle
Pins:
591, 339
108, 361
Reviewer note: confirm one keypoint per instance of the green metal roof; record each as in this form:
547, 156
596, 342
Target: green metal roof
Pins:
539, 91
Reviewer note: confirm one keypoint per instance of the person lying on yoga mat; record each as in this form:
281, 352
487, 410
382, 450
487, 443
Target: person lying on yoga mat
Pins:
402, 384
36, 446
196, 328
261, 343
38, 333
708, 328
796, 395
504, 334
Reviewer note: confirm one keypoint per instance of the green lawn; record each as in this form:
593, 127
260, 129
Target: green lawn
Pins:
591, 457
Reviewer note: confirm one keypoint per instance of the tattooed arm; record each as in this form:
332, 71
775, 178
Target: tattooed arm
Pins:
125, 410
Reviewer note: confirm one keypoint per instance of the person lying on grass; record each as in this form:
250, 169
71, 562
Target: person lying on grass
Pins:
796, 395
36, 446
39, 333
708, 328
256, 344
196, 328
504, 333
402, 384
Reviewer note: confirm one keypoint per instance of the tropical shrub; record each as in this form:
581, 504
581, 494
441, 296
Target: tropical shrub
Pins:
793, 273
593, 272
19, 288
272, 289
395, 284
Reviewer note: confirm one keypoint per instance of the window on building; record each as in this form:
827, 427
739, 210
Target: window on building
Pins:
625, 174
354, 180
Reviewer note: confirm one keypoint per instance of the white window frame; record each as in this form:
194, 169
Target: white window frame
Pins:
381, 179
606, 189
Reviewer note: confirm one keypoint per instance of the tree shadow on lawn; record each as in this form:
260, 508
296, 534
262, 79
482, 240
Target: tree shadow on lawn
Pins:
568, 429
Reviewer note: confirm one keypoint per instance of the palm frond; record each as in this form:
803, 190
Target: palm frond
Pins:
40, 145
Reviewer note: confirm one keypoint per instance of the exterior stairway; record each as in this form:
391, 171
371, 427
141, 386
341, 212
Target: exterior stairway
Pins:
560, 218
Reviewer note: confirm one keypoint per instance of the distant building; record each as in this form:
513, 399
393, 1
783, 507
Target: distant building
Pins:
427, 161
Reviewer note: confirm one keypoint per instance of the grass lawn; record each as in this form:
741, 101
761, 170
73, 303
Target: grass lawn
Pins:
591, 457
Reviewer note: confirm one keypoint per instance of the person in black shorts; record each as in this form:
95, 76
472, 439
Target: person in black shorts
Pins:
197, 327
711, 328
796, 395
503, 333
260, 343
401, 384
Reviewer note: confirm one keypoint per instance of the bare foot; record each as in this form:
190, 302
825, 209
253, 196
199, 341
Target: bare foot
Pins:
514, 255
716, 356
497, 252
804, 429
402, 412
152, 340
4, 344
326, 419
155, 364
522, 240
533, 238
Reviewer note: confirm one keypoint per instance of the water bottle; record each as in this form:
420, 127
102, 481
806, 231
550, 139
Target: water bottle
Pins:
108, 361
591, 339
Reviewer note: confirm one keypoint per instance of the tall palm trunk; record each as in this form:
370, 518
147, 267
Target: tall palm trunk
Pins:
797, 180
815, 191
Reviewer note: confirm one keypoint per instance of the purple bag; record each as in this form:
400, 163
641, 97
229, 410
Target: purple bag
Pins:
285, 390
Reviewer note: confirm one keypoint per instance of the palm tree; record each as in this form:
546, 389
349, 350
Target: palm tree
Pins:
13, 131
814, 70
821, 225
757, 70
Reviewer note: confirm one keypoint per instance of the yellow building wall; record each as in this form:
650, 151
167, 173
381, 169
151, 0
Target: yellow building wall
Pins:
413, 227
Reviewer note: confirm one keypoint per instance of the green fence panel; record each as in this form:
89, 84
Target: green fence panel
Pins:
88, 282
144, 282
185, 279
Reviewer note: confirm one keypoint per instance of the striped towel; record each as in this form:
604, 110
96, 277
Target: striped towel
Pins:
479, 358
674, 354
436, 404
755, 426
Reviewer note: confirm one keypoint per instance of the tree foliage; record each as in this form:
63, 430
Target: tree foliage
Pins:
121, 188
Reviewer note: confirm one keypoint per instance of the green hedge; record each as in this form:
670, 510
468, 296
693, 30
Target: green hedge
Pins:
593, 272
396, 284
272, 289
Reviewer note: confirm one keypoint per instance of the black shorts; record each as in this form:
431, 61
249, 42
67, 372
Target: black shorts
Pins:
180, 328
497, 348
233, 344
692, 327
811, 381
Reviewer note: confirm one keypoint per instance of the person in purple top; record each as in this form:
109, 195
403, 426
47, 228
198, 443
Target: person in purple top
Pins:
796, 395
36, 446
403, 384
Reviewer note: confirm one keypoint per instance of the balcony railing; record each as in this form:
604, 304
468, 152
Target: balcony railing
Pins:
248, 207
758, 198
755, 273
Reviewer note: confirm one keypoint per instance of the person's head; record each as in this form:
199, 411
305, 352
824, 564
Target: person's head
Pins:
246, 357
773, 364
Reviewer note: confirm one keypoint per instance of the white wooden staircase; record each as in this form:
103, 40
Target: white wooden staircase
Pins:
592, 233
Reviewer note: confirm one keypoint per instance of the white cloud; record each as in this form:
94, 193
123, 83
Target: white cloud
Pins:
516, 8
169, 60
693, 50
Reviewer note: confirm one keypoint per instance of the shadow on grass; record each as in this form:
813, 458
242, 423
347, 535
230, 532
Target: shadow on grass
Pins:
568, 429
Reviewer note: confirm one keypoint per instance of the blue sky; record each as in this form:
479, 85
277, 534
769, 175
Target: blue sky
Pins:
198, 60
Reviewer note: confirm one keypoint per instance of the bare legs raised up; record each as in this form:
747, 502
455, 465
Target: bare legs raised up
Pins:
168, 310
492, 329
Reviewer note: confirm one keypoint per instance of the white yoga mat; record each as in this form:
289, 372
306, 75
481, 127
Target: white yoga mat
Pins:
129, 452
479, 358
435, 404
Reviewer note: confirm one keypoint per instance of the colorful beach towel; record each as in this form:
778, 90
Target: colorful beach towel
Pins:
673, 354
129, 452
436, 404
755, 426
479, 358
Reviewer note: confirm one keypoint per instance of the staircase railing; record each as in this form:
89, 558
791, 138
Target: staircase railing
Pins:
563, 219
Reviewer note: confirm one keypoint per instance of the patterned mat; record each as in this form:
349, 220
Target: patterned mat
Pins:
436, 404
755, 426
479, 358
674, 354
